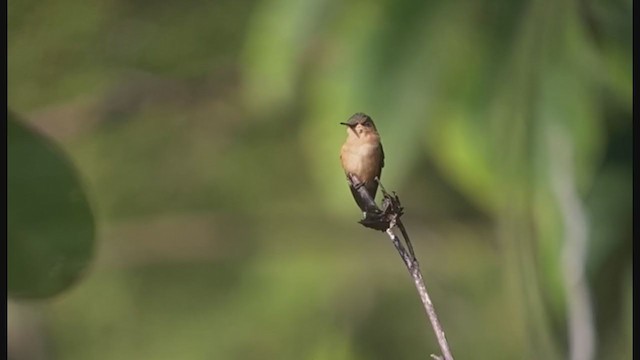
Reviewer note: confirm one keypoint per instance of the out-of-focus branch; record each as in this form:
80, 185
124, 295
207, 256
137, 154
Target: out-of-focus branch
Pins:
386, 219
580, 315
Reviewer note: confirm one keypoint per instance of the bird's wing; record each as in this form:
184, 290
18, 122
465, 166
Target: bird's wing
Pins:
372, 186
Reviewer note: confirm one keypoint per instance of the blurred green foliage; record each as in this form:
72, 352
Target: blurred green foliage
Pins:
50, 228
206, 137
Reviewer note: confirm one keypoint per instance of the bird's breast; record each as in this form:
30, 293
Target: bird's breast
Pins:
362, 159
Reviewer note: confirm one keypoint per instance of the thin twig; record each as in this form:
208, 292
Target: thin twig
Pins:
386, 219
414, 269
400, 225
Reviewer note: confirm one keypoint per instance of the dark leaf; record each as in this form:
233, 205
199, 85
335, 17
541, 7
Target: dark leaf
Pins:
50, 225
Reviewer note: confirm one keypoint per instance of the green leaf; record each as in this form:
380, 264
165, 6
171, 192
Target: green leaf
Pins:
50, 224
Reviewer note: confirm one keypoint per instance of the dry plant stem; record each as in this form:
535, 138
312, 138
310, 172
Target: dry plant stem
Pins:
414, 269
390, 217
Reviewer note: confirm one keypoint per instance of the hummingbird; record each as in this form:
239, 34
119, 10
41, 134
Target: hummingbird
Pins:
362, 158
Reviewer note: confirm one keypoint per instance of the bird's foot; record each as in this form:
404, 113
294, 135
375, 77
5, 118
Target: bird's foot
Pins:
354, 181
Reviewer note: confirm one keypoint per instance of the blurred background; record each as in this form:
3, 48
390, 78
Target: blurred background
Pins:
175, 189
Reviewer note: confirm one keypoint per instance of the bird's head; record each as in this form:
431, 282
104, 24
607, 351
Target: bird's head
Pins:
360, 124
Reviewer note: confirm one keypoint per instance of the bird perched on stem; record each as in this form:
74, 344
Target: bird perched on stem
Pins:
362, 158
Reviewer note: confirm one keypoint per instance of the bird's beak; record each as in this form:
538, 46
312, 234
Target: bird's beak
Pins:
352, 127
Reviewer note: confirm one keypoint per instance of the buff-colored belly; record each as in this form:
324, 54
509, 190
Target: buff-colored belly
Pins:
362, 160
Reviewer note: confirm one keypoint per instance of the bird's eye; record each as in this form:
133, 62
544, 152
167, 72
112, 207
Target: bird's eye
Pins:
367, 124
